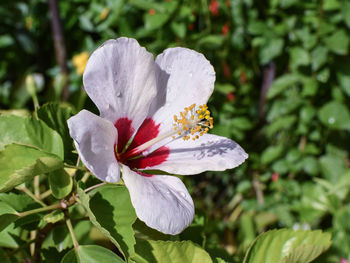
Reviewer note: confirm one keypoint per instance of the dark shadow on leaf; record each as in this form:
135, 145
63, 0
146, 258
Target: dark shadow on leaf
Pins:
103, 212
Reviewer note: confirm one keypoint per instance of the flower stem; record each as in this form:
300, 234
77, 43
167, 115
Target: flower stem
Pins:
70, 228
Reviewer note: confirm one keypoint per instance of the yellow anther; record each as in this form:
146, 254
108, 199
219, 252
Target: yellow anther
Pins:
193, 122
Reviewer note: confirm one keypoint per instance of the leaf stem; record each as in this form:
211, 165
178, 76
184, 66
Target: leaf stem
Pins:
85, 177
31, 195
70, 228
94, 186
45, 194
37, 186
74, 167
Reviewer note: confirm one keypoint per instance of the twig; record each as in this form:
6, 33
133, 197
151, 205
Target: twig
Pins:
38, 210
257, 188
60, 48
268, 78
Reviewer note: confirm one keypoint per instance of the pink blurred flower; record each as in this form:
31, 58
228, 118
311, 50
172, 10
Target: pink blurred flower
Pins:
225, 29
230, 96
274, 177
214, 7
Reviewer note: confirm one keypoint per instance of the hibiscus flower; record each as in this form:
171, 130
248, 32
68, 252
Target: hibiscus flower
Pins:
153, 117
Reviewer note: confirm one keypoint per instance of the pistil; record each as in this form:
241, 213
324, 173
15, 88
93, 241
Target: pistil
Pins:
192, 123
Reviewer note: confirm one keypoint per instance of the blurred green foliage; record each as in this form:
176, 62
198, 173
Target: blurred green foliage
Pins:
282, 92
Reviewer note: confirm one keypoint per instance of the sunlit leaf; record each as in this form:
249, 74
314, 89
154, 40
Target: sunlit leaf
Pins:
29, 131
20, 163
111, 211
335, 115
288, 246
55, 115
91, 253
170, 252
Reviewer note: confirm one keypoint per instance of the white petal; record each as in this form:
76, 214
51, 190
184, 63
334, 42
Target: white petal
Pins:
120, 79
184, 77
94, 139
161, 201
208, 153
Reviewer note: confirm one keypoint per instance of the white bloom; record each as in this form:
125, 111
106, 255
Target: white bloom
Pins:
152, 117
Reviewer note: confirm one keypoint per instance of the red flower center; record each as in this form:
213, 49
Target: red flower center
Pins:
147, 131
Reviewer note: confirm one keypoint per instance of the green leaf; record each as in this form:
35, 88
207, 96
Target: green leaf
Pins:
280, 124
60, 239
288, 246
329, 5
345, 9
179, 29
319, 57
111, 211
7, 215
54, 217
8, 237
298, 57
29, 131
224, 88
343, 76
335, 115
338, 42
271, 49
20, 202
60, 183
91, 253
332, 167
55, 115
241, 123
170, 252
271, 153
211, 41
282, 83
20, 163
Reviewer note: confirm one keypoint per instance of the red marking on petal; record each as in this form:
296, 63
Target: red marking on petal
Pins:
147, 131
144, 174
125, 131
157, 157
